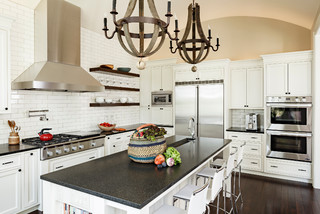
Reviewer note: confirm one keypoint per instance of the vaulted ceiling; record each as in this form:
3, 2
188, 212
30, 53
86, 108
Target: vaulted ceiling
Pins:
299, 12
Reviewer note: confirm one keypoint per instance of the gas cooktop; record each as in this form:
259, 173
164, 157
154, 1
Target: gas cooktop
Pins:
60, 138
66, 143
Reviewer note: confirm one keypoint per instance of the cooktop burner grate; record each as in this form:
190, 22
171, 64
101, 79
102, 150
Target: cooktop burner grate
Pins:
59, 138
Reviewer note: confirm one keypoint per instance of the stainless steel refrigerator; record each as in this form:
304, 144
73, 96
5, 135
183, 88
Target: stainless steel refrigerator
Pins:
203, 103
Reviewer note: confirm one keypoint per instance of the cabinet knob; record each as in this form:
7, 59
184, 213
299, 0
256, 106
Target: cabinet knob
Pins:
31, 154
6, 108
114, 145
19, 170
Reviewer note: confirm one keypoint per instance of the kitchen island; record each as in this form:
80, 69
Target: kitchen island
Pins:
115, 184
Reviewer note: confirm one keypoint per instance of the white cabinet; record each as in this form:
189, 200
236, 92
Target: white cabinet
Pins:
19, 176
288, 74
289, 168
201, 74
253, 153
145, 88
5, 79
162, 115
10, 191
246, 86
145, 114
75, 159
117, 142
31, 178
162, 78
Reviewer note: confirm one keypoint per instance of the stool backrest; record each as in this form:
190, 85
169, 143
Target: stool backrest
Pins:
198, 200
240, 153
230, 164
217, 182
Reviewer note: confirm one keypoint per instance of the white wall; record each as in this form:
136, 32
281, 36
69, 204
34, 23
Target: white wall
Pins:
67, 111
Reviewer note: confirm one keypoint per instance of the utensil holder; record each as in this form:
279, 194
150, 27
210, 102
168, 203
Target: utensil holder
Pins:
14, 138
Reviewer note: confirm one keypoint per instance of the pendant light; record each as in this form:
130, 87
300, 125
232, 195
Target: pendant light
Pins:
194, 47
160, 29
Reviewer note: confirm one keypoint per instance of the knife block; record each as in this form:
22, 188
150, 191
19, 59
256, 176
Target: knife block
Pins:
14, 138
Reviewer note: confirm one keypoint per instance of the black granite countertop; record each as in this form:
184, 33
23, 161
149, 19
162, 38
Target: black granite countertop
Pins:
239, 129
130, 128
119, 179
6, 149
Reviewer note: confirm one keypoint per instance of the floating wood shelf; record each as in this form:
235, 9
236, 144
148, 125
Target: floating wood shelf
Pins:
121, 88
113, 104
113, 72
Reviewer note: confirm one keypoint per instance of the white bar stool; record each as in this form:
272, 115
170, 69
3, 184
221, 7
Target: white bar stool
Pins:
197, 203
209, 173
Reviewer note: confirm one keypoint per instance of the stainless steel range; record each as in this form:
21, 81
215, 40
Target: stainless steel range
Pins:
67, 143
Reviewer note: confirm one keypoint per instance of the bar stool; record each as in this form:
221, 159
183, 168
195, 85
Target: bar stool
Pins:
197, 203
237, 167
207, 173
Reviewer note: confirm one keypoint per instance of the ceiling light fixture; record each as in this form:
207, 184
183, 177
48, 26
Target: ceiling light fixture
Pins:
160, 29
194, 50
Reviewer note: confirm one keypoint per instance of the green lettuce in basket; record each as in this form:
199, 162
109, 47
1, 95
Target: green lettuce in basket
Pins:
173, 153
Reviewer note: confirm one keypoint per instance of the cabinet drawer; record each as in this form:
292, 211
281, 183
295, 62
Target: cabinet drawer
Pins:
9, 162
289, 168
255, 138
251, 163
252, 149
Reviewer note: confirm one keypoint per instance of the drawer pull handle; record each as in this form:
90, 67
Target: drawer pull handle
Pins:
302, 170
92, 157
234, 136
6, 163
234, 147
274, 166
254, 163
254, 138
254, 149
118, 138
59, 167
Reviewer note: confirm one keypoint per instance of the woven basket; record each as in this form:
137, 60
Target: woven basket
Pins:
145, 151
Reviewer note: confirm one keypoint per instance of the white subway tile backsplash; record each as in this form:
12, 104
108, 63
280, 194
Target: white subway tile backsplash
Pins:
68, 111
238, 117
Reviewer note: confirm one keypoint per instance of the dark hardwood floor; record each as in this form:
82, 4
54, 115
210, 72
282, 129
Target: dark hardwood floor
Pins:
263, 195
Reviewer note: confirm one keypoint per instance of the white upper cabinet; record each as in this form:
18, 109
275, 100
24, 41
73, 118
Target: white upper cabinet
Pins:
238, 86
255, 88
288, 74
299, 79
162, 78
276, 79
246, 84
5, 79
145, 88
162, 115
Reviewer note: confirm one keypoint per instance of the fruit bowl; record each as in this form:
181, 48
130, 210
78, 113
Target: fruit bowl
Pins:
106, 128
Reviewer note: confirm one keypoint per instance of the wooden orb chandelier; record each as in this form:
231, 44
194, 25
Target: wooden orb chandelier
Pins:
123, 30
194, 46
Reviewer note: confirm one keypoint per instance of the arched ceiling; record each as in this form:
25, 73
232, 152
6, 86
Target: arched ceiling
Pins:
299, 12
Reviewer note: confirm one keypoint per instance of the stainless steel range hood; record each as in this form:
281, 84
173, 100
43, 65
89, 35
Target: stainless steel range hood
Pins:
57, 52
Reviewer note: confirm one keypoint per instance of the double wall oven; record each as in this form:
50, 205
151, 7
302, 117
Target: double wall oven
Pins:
289, 128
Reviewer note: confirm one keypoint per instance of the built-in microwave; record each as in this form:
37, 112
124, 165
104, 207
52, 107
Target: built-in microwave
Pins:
161, 98
289, 145
289, 113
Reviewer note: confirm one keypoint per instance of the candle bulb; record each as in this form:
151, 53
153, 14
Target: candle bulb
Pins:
114, 5
209, 31
169, 6
176, 21
218, 41
171, 44
105, 22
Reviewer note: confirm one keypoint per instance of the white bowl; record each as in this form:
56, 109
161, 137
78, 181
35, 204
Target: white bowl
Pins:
99, 99
123, 100
108, 100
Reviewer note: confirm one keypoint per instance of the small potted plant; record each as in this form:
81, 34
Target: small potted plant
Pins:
146, 143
